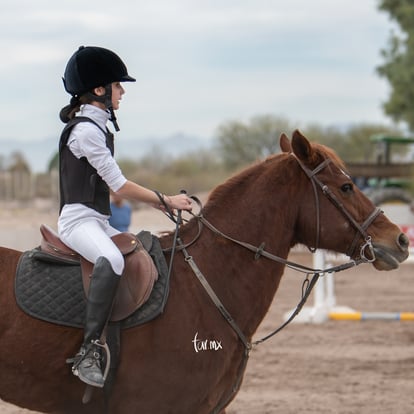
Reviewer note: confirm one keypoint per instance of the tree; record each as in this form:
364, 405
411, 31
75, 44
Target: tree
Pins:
398, 67
352, 144
240, 144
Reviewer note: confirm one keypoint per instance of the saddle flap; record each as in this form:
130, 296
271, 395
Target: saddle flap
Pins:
136, 283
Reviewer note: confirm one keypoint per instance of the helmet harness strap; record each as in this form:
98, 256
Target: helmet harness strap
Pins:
108, 105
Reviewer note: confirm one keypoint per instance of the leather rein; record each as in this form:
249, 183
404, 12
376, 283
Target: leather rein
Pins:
260, 251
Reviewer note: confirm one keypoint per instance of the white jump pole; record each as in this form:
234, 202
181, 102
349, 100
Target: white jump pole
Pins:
330, 290
324, 300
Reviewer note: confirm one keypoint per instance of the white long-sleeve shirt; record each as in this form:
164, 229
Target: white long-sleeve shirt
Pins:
87, 140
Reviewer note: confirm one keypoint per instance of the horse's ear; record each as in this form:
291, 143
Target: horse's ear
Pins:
285, 143
301, 146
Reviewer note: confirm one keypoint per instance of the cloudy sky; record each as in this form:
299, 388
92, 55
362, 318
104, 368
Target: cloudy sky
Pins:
198, 63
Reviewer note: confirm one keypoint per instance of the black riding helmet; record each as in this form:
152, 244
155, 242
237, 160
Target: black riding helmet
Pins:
90, 67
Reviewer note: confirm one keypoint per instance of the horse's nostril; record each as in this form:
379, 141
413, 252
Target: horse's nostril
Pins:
403, 241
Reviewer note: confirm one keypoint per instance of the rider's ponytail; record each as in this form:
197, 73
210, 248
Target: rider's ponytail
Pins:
69, 111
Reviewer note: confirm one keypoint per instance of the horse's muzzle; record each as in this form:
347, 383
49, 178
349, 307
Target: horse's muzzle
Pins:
388, 258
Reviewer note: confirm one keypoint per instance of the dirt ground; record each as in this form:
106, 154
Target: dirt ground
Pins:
340, 367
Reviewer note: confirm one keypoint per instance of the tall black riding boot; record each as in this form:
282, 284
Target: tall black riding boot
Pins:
102, 290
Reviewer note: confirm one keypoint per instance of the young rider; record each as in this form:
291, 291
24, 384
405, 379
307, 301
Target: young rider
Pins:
94, 78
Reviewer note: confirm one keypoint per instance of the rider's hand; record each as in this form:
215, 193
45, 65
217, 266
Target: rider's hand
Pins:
179, 202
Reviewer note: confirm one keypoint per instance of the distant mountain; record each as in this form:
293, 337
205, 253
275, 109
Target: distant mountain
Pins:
39, 153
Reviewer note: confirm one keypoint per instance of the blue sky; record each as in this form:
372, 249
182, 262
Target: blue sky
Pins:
198, 63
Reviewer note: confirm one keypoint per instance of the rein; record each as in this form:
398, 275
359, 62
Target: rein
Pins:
259, 251
307, 286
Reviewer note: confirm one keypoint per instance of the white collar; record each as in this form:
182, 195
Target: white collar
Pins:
100, 116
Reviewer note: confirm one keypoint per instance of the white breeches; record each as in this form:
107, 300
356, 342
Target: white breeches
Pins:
91, 238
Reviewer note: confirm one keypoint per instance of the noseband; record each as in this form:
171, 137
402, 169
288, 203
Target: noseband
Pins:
366, 247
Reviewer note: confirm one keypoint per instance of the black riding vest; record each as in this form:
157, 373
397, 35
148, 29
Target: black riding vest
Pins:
79, 181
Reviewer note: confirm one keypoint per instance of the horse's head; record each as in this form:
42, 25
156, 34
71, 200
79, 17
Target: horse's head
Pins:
335, 215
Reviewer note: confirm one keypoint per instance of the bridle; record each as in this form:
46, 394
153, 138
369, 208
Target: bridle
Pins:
259, 251
366, 247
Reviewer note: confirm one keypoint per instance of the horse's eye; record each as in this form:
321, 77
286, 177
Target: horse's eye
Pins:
347, 188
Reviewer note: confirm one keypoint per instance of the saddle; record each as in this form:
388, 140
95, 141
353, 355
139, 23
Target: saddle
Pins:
137, 280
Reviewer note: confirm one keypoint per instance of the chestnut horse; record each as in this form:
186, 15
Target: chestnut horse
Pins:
190, 360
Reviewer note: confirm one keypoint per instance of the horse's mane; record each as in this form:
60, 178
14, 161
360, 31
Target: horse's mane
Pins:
319, 153
327, 152
241, 177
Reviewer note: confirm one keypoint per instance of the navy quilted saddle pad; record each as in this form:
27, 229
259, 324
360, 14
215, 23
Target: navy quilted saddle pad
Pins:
53, 292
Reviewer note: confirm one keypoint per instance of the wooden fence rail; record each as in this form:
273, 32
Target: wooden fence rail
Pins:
23, 185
